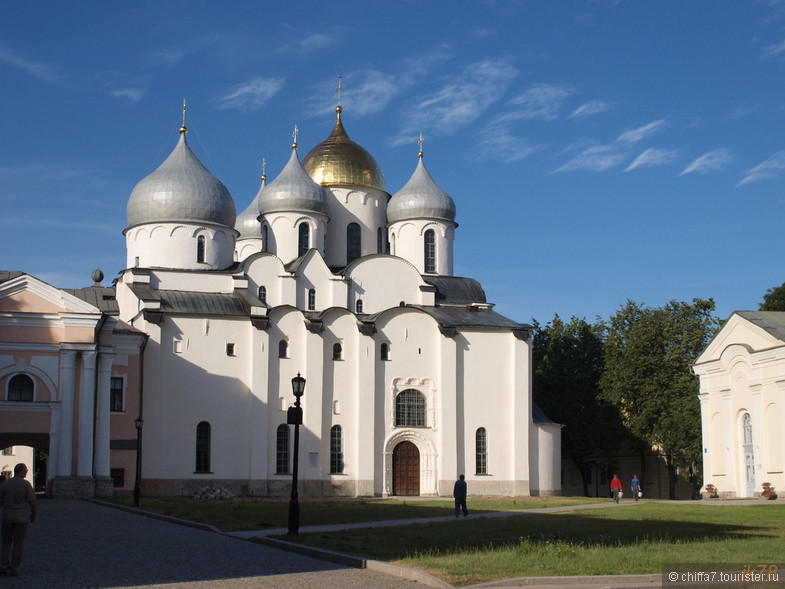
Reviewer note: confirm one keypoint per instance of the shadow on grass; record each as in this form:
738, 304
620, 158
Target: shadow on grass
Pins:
598, 528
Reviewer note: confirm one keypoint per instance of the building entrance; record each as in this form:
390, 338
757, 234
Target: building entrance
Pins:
406, 469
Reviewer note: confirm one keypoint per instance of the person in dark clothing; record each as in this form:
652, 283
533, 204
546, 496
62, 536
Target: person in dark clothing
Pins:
459, 492
635, 487
17, 499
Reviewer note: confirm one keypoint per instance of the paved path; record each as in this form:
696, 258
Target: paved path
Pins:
80, 545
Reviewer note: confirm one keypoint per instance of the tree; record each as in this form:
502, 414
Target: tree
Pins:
774, 299
648, 356
567, 364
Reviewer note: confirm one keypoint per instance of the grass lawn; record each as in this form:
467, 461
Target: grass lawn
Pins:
259, 514
617, 540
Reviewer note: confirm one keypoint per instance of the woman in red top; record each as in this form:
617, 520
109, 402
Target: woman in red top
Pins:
616, 487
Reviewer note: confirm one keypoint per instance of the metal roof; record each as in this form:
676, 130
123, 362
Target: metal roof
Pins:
9, 275
773, 322
421, 198
293, 191
539, 417
456, 290
202, 303
101, 297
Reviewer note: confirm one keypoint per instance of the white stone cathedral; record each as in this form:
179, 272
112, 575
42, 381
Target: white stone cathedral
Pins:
411, 377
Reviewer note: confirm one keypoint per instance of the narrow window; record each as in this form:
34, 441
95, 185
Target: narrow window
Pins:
391, 245
481, 451
10, 450
264, 238
353, 243
118, 477
116, 394
410, 409
203, 447
230, 349
177, 346
200, 249
283, 349
384, 352
379, 241
430, 251
358, 306
263, 295
20, 388
312, 299
282, 449
337, 352
336, 450
304, 241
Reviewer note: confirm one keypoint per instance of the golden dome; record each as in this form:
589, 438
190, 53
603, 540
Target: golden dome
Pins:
340, 161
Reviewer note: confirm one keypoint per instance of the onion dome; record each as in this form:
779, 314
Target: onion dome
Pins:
247, 224
292, 191
340, 161
421, 198
181, 190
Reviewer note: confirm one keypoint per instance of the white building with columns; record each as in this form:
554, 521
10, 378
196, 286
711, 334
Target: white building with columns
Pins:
412, 377
742, 397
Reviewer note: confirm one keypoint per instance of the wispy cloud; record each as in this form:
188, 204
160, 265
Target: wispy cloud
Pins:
652, 157
709, 162
132, 94
541, 101
599, 158
636, 135
593, 107
498, 143
459, 103
774, 50
368, 91
43, 72
251, 95
770, 168
315, 42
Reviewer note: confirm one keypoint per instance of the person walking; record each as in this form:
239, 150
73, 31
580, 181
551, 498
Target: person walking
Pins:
459, 492
616, 488
635, 487
17, 499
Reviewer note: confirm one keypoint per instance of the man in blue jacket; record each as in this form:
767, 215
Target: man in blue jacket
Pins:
459, 492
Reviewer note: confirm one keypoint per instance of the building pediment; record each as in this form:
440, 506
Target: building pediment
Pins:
27, 294
753, 330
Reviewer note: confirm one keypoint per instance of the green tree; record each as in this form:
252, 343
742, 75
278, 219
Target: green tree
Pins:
774, 299
648, 356
567, 364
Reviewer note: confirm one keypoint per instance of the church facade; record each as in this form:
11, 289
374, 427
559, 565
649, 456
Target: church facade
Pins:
742, 399
411, 377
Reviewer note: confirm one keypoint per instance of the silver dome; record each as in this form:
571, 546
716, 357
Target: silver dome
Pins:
247, 223
293, 191
181, 190
421, 198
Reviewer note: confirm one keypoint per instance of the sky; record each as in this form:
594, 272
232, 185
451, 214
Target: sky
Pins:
597, 151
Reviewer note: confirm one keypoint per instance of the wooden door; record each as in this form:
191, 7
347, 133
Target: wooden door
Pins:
406, 469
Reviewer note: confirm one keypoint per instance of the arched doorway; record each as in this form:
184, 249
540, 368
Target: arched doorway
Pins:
406, 469
749, 456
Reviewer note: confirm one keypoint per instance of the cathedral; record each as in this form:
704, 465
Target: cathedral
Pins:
179, 375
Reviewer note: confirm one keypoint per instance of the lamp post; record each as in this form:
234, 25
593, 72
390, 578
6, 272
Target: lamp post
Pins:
294, 416
138, 422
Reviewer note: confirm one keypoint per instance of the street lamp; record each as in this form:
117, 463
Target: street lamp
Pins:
294, 416
138, 422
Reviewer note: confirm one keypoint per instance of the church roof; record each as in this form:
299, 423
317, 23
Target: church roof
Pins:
9, 275
464, 317
421, 198
98, 296
456, 290
181, 190
539, 417
247, 223
340, 161
773, 322
292, 191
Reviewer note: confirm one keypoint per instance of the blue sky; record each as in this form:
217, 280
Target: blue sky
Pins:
596, 150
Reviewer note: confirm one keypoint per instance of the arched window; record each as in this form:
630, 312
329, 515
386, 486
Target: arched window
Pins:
481, 451
384, 352
353, 242
336, 450
410, 409
746, 424
282, 449
283, 349
337, 352
430, 251
358, 306
200, 249
265, 247
379, 241
391, 245
312, 299
20, 388
304, 239
203, 447
263, 295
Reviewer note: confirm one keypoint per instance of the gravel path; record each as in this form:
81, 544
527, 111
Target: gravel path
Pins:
78, 545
